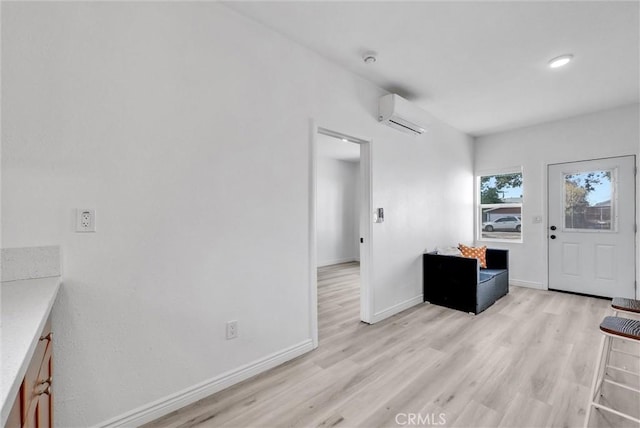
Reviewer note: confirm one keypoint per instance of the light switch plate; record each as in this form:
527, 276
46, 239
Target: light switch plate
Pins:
378, 215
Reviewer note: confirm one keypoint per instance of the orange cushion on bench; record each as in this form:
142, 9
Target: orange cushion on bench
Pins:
479, 253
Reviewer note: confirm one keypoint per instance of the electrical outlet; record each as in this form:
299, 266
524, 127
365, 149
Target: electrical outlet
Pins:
232, 329
85, 220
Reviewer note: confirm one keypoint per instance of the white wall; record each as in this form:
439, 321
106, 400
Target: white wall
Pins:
337, 211
603, 134
425, 186
183, 124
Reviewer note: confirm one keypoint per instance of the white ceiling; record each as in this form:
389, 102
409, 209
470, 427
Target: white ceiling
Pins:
334, 148
479, 66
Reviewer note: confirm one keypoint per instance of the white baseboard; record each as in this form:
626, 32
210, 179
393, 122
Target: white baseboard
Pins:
164, 406
379, 316
337, 261
528, 284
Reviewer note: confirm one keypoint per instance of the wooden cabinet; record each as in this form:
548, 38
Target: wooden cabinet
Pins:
15, 417
33, 406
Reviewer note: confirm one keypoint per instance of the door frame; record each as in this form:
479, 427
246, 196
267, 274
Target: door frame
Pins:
366, 225
636, 205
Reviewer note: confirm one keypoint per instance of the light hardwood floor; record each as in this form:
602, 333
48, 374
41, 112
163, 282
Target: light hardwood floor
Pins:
527, 361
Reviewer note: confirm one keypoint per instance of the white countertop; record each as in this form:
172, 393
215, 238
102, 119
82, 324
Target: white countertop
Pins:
25, 306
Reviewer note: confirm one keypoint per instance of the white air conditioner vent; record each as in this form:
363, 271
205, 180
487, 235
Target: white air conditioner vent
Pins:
402, 115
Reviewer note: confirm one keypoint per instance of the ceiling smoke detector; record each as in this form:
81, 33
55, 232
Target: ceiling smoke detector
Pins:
369, 57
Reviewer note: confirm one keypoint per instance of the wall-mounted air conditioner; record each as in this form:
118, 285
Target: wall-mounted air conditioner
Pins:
398, 113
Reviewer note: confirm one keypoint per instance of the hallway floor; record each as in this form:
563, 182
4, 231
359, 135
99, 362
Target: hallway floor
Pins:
527, 361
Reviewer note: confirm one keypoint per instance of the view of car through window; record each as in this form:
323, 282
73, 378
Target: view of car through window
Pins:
503, 223
500, 208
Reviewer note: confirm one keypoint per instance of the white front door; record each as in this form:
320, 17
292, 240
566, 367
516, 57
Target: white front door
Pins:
591, 234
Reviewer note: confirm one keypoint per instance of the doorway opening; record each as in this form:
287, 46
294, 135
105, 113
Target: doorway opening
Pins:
340, 230
592, 227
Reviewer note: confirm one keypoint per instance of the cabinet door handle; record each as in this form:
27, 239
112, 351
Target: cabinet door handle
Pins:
47, 391
47, 381
47, 337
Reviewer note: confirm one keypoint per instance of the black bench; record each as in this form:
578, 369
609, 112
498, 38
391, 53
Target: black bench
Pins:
459, 282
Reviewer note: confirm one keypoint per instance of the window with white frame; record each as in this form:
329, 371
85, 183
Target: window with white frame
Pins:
500, 207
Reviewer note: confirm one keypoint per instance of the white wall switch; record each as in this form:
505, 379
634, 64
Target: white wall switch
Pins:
85, 220
232, 329
378, 215
537, 219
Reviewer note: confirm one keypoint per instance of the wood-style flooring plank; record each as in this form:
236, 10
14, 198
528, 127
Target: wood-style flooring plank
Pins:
527, 361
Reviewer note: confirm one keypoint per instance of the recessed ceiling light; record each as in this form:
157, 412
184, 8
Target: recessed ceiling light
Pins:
560, 61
